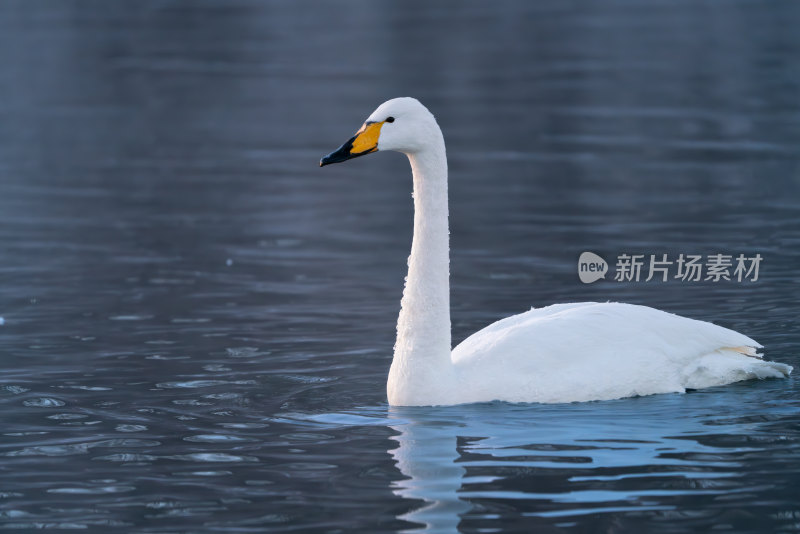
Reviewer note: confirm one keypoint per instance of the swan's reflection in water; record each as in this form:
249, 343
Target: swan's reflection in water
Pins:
647, 454
553, 464
427, 455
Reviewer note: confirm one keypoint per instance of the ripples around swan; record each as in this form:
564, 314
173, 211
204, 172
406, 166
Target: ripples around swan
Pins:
669, 460
678, 461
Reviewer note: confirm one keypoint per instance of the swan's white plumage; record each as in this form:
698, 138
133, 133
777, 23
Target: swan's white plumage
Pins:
594, 351
560, 353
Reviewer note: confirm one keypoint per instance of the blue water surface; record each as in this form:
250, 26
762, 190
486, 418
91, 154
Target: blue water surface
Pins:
198, 321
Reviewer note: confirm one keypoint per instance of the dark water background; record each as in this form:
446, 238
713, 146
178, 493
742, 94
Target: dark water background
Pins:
199, 321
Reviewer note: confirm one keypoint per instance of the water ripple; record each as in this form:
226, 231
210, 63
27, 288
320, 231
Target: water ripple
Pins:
67, 416
93, 491
130, 428
214, 438
202, 383
80, 448
52, 450
16, 390
127, 457
44, 402
130, 317
209, 473
212, 457
242, 352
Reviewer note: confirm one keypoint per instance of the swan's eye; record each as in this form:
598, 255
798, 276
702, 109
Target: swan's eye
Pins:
389, 119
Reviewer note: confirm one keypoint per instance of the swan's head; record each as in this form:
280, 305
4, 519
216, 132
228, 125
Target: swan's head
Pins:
401, 124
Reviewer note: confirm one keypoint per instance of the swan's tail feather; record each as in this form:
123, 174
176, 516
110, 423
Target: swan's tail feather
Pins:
761, 368
765, 369
777, 370
728, 365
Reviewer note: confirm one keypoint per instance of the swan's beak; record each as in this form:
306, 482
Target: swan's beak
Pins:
364, 142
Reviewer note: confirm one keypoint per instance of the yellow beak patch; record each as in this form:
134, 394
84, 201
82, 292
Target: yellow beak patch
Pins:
366, 139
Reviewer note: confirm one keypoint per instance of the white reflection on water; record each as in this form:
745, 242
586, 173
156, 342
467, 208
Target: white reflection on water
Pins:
427, 454
571, 459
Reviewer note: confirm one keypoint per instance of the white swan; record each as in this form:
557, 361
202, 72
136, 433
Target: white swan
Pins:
560, 353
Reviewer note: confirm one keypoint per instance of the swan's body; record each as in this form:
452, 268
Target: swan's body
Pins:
561, 353
593, 351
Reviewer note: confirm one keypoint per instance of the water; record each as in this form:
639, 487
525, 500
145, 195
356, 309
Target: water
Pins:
198, 321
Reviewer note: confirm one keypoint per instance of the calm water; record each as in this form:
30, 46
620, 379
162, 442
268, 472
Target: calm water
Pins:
198, 321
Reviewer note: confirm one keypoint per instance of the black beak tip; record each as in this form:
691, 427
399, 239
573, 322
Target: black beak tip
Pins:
340, 154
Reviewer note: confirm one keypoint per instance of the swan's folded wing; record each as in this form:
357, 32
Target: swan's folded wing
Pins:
615, 328
586, 351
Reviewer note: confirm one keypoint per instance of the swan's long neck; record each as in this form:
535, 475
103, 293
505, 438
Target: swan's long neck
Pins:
422, 351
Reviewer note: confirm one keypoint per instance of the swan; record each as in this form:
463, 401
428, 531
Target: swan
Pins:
571, 352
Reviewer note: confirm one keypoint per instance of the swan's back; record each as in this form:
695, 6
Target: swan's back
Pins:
595, 351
